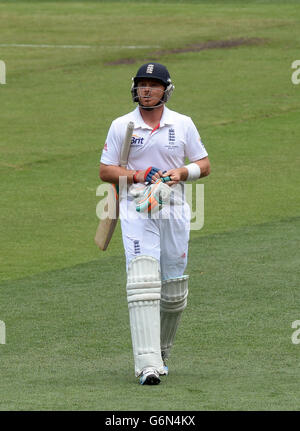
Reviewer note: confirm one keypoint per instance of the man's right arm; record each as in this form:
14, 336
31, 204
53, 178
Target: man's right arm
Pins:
111, 174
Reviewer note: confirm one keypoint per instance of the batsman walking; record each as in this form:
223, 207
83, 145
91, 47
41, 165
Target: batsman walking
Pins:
155, 224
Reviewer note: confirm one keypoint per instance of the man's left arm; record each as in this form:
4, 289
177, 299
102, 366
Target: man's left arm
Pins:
181, 174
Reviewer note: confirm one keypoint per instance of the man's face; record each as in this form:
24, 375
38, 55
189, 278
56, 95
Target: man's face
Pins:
150, 92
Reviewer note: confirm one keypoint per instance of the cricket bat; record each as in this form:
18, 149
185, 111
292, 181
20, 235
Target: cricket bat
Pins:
108, 224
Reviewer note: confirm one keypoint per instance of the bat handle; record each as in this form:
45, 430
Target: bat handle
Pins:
165, 179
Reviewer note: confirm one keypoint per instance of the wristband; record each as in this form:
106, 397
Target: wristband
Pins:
194, 172
134, 176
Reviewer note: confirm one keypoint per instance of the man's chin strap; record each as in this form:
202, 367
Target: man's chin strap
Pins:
150, 108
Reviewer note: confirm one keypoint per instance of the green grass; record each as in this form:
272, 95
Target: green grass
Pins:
63, 302
69, 347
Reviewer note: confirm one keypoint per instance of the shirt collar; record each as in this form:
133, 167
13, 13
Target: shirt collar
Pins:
166, 119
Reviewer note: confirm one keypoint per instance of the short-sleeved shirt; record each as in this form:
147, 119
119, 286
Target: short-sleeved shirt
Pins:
164, 147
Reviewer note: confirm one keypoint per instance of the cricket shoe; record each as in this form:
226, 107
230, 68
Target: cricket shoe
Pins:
149, 377
165, 372
166, 369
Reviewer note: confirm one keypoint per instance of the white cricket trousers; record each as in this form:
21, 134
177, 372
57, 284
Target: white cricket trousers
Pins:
164, 239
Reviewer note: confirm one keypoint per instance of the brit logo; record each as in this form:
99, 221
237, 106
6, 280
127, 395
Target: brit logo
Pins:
150, 68
137, 140
171, 136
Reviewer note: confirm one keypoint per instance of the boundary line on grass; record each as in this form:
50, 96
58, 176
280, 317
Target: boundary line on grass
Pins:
31, 45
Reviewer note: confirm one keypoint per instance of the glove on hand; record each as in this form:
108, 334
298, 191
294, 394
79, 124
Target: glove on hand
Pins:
149, 173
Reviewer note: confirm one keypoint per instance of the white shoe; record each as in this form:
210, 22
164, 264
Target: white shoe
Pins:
149, 377
165, 372
166, 369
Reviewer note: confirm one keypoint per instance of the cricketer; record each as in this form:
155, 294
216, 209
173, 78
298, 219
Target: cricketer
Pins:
156, 224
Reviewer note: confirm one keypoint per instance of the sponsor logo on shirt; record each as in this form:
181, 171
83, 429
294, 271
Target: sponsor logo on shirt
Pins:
136, 140
105, 146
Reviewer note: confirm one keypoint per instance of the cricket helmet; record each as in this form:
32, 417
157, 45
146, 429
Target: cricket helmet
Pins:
155, 71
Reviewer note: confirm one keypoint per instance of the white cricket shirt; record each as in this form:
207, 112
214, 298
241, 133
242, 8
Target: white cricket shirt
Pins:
165, 148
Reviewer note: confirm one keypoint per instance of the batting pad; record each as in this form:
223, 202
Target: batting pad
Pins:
173, 301
143, 296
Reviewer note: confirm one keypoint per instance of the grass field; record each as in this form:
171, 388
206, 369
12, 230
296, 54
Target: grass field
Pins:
68, 343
